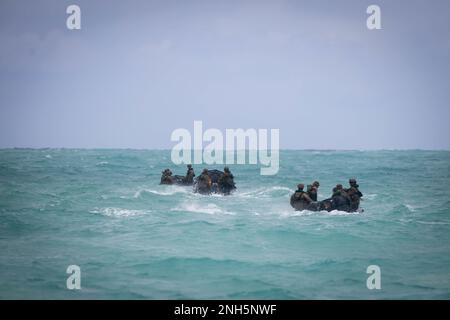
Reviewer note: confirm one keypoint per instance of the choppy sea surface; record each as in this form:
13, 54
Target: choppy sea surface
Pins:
105, 211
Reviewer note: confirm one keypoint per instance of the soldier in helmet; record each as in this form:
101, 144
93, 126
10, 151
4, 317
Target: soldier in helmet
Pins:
340, 199
189, 179
354, 194
300, 199
309, 190
226, 181
166, 177
204, 182
227, 170
314, 190
337, 191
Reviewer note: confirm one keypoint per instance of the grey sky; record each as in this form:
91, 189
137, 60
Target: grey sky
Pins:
137, 70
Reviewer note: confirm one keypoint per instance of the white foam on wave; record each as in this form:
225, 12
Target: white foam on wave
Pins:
209, 208
264, 192
166, 192
309, 213
340, 213
433, 222
118, 212
293, 213
102, 163
371, 196
411, 208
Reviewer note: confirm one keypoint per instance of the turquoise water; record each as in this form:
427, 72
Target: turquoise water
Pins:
104, 211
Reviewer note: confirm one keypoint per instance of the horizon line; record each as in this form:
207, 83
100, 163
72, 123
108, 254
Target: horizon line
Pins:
240, 150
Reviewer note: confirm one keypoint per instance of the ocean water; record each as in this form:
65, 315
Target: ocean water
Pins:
105, 211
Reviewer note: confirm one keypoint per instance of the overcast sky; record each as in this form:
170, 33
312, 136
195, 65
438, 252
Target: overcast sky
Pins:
137, 70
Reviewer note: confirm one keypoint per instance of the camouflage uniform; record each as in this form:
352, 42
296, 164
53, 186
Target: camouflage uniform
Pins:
300, 199
354, 194
189, 179
166, 177
314, 190
204, 183
226, 181
340, 199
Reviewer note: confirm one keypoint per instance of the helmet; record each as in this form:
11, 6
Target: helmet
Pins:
316, 184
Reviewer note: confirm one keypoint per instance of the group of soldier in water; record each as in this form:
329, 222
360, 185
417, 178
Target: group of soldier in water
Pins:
210, 181
167, 177
215, 181
343, 199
